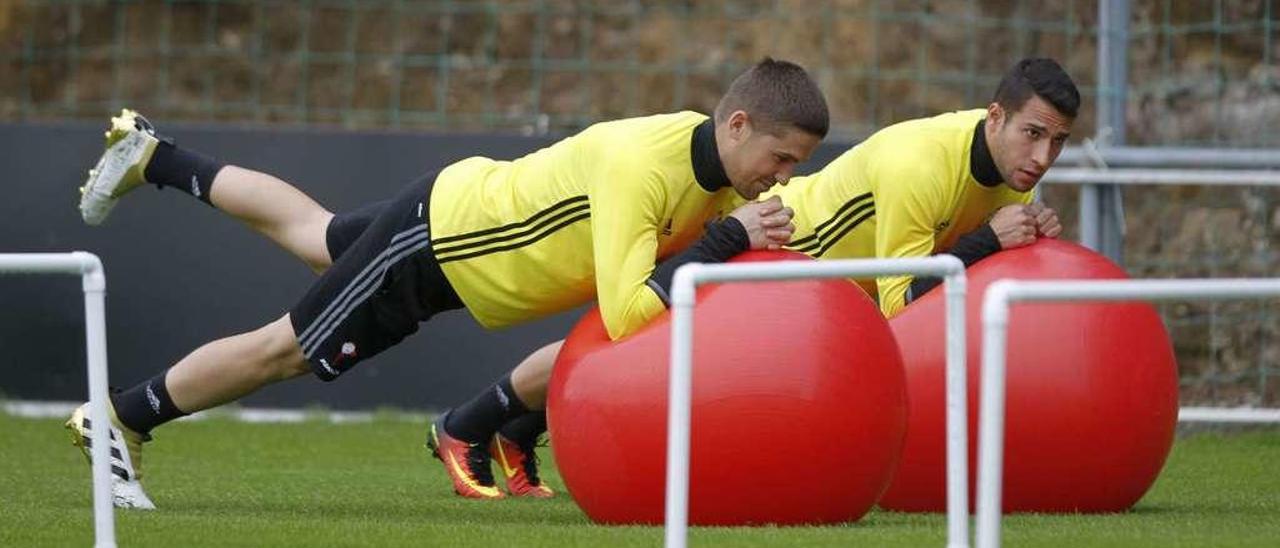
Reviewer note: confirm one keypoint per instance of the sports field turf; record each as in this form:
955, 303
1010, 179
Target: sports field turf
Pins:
225, 483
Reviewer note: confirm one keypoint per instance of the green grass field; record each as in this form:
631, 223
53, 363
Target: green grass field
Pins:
225, 483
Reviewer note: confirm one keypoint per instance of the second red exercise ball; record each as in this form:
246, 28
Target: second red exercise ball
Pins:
1092, 392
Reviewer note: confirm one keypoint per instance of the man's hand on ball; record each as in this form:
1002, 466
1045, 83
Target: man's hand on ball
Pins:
1047, 223
768, 223
1014, 225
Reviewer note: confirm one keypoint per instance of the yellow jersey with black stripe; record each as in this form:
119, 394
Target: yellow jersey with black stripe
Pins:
909, 190
587, 217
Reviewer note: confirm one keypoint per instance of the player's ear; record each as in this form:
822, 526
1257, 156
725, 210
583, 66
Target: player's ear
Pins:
995, 115
739, 123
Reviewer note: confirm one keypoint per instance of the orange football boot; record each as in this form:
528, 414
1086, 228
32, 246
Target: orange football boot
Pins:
466, 463
520, 467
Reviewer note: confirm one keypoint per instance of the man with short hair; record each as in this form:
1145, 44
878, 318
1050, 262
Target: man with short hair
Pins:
603, 214
957, 183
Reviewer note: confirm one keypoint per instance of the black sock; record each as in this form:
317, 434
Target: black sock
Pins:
183, 169
525, 429
477, 420
146, 405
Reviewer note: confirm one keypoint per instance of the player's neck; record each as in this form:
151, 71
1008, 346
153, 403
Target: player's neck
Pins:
981, 164
708, 169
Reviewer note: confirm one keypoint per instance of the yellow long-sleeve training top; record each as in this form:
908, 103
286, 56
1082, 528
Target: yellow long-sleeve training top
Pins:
910, 190
587, 217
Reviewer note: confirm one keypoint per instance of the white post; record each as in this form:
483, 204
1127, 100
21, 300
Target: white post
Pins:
995, 321
957, 415
684, 291
684, 288
94, 283
95, 322
995, 318
1240, 415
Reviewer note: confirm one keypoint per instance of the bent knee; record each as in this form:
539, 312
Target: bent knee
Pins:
315, 235
280, 352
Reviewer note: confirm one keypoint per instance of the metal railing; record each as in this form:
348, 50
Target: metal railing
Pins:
1001, 295
94, 284
683, 291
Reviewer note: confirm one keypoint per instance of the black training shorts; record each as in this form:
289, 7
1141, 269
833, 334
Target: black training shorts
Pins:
383, 282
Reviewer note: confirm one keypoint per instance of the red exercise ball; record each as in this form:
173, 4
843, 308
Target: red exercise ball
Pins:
799, 407
1092, 392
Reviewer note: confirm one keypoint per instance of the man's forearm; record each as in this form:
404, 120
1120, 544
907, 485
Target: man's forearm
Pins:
722, 240
970, 248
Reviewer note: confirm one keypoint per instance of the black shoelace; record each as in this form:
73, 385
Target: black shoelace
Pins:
530, 463
478, 464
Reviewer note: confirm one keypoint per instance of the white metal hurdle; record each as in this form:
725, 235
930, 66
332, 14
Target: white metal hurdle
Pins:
995, 323
94, 282
684, 288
